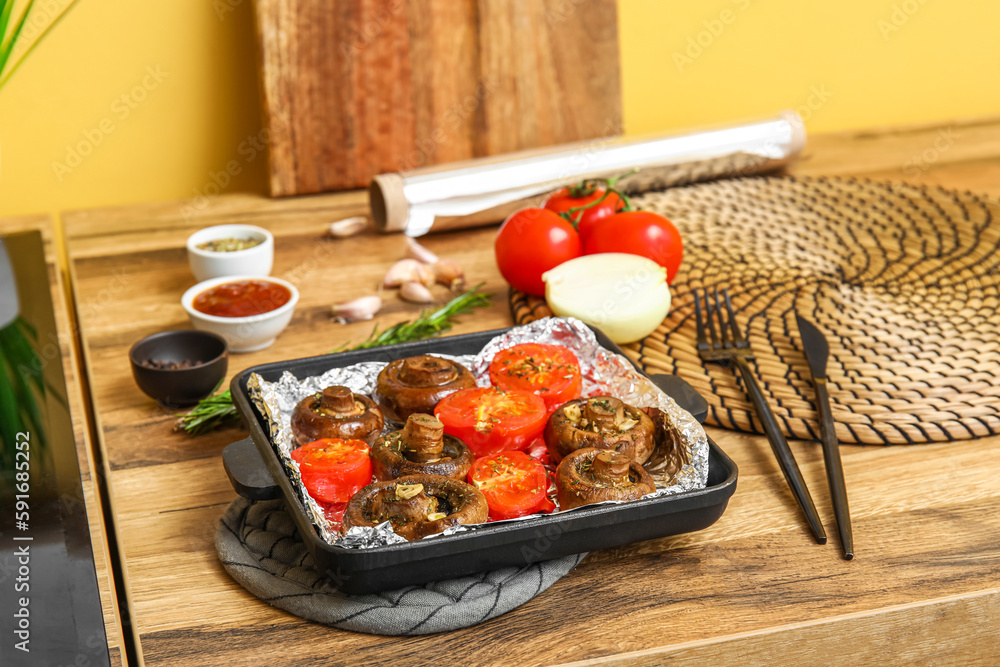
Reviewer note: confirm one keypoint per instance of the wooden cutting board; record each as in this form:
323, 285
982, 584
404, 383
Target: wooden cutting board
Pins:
354, 88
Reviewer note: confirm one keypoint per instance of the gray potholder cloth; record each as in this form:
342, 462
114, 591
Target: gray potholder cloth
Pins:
260, 548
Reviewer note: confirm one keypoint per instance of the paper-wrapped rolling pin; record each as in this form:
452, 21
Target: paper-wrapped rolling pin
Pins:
486, 190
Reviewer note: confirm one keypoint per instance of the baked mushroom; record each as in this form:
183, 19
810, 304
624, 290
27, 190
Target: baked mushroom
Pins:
603, 422
421, 447
417, 505
416, 384
589, 476
336, 412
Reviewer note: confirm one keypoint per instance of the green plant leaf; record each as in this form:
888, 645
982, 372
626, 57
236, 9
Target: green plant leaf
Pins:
6, 7
22, 363
22, 356
8, 46
10, 416
23, 368
34, 44
31, 416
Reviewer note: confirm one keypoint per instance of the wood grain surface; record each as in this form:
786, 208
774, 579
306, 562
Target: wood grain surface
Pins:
354, 88
753, 588
89, 469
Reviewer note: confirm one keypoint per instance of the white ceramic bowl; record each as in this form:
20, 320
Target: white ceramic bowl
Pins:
242, 334
255, 261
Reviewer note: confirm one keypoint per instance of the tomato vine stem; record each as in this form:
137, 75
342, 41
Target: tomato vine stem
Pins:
587, 187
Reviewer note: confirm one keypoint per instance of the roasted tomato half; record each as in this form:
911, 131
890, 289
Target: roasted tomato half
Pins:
551, 371
514, 484
490, 420
333, 470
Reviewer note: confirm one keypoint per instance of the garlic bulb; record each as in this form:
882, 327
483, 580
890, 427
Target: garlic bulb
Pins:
625, 296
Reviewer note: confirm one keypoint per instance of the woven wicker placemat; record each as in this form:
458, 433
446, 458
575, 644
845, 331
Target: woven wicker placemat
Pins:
903, 280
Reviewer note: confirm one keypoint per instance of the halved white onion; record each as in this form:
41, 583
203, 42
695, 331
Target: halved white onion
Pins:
625, 296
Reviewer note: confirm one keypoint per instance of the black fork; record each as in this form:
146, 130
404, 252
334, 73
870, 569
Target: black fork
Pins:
720, 340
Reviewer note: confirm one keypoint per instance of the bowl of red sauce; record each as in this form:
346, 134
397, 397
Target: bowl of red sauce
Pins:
248, 311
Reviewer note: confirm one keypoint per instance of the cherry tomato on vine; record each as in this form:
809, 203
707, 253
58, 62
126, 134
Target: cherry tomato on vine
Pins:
564, 199
639, 233
529, 243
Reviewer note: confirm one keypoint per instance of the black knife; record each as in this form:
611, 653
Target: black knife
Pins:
817, 351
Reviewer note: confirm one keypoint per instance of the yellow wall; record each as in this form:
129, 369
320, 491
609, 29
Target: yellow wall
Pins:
847, 64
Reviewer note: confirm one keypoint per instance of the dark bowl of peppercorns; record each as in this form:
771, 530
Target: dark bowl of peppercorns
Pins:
179, 368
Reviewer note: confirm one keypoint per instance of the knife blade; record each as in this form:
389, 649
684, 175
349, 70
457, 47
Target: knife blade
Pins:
817, 352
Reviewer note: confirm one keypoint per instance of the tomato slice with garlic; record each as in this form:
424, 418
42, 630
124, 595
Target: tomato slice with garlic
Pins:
551, 371
490, 420
332, 469
513, 483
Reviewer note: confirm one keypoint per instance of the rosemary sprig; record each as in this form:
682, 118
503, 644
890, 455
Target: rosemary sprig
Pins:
427, 325
211, 413
218, 410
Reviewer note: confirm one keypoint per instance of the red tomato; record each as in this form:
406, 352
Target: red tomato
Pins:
529, 243
551, 371
539, 451
334, 513
639, 233
491, 420
562, 200
332, 469
514, 484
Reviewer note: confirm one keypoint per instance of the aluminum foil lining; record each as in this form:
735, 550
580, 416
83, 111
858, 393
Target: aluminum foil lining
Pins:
277, 400
607, 373
603, 371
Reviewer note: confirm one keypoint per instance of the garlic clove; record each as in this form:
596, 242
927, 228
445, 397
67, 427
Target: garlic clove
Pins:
407, 491
418, 252
407, 271
348, 226
449, 273
415, 293
363, 308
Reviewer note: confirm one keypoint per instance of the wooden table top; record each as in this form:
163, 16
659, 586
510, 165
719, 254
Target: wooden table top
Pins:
753, 587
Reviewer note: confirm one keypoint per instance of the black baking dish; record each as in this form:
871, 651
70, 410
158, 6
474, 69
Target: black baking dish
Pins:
256, 472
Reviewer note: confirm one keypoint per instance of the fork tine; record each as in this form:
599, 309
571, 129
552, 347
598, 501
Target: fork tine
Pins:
710, 319
722, 323
699, 321
737, 335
